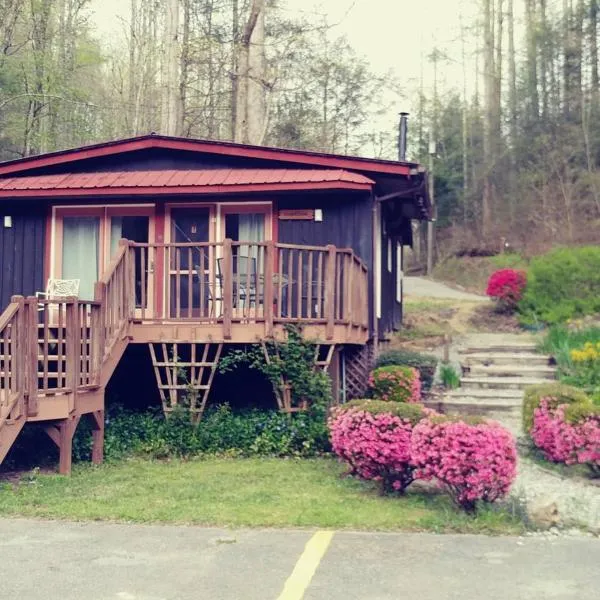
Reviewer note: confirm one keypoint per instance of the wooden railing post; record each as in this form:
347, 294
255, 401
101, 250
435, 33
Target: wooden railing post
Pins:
268, 291
330, 280
99, 324
72, 335
227, 288
18, 356
30, 364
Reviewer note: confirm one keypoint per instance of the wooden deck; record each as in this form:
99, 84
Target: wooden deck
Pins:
57, 356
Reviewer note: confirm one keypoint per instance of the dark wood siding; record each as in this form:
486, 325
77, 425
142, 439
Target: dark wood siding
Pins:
21, 251
347, 223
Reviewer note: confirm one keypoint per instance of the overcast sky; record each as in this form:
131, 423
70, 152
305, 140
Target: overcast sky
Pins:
393, 34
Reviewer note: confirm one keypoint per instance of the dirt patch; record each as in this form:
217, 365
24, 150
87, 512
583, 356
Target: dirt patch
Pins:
484, 318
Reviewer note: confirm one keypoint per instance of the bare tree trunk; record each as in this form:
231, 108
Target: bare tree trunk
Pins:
593, 41
532, 71
465, 130
488, 124
170, 96
184, 68
250, 104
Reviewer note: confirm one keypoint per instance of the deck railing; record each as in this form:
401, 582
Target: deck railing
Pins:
241, 282
58, 346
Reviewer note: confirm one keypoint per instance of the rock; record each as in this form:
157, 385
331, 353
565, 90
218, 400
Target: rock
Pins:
543, 514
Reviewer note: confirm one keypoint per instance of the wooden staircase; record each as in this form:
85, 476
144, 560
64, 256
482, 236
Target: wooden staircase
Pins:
56, 357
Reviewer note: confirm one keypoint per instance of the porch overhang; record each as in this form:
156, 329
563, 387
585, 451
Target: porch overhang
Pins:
182, 182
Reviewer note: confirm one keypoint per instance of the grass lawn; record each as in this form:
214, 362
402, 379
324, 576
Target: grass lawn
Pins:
239, 493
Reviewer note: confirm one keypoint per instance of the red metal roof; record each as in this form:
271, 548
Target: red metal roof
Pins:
197, 181
297, 157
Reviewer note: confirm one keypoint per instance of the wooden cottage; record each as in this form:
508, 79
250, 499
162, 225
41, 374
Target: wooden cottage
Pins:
187, 246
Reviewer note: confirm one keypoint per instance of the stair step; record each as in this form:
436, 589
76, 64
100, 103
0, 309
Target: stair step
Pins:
541, 371
511, 347
519, 383
483, 394
480, 405
506, 358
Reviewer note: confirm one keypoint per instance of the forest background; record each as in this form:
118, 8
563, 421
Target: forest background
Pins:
510, 96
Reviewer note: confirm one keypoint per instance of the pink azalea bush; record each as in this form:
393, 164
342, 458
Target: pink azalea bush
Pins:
396, 384
568, 434
474, 461
374, 438
506, 286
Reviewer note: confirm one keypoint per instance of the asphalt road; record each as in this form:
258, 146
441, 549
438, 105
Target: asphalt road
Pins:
97, 561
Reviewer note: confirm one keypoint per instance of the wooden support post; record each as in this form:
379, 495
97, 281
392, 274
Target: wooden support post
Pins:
227, 288
268, 291
330, 291
62, 435
97, 436
334, 373
31, 367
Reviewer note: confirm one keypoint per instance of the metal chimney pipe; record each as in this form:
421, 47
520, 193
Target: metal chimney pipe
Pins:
402, 136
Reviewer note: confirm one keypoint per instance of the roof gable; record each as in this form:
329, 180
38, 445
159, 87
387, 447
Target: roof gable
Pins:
295, 158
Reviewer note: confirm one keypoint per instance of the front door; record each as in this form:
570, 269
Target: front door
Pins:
190, 264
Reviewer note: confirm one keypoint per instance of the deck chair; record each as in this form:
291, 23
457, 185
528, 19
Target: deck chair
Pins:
244, 280
59, 288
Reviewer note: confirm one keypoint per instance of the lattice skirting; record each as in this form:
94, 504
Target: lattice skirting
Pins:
359, 362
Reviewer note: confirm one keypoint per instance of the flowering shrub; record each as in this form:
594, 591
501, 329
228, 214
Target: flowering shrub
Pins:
506, 286
568, 434
396, 384
374, 438
586, 365
559, 393
473, 460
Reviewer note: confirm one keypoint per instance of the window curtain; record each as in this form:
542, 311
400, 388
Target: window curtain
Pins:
80, 252
116, 233
251, 228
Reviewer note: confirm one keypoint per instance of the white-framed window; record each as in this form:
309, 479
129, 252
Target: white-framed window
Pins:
390, 265
399, 272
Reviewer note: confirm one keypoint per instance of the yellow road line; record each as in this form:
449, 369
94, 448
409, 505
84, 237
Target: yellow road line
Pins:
306, 566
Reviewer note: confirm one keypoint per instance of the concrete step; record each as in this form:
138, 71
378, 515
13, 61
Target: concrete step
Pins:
506, 358
494, 383
508, 348
540, 371
483, 394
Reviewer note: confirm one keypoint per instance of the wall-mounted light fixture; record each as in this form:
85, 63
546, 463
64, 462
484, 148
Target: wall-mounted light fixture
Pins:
7, 221
318, 214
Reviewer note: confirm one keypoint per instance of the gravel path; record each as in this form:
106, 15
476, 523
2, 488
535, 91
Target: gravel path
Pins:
428, 288
578, 503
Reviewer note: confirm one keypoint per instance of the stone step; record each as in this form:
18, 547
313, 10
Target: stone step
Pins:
483, 394
540, 371
506, 358
495, 383
483, 405
508, 348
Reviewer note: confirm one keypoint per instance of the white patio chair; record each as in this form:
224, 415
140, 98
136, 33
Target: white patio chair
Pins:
59, 288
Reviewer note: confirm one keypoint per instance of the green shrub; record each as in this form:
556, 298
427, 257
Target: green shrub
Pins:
424, 363
449, 377
559, 392
249, 433
411, 412
561, 285
561, 341
395, 383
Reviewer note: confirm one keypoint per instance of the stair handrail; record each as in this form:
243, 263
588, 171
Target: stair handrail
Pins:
114, 295
13, 352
